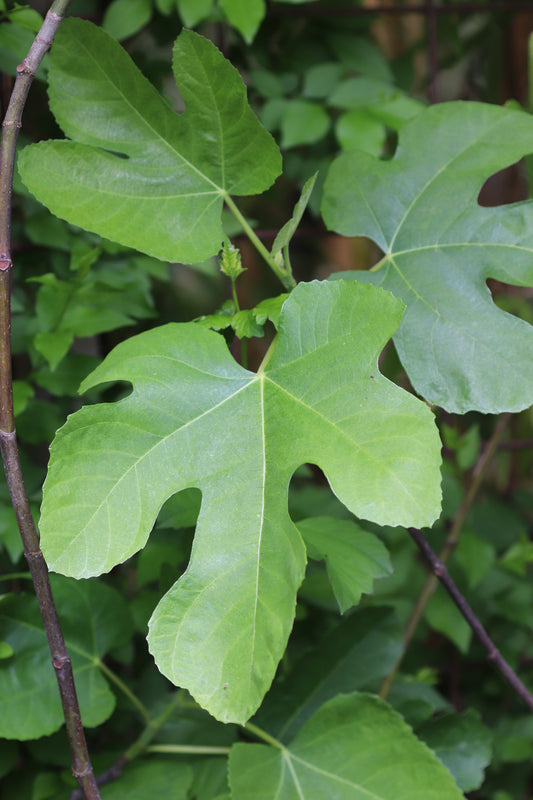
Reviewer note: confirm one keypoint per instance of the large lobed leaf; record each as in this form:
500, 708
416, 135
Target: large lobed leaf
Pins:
440, 247
136, 172
354, 747
195, 418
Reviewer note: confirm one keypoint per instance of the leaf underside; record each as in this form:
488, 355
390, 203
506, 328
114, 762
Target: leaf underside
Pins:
440, 246
195, 418
134, 171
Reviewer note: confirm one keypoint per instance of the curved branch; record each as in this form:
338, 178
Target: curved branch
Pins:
81, 765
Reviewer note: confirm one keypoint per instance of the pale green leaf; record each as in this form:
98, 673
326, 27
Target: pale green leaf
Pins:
193, 11
354, 748
245, 15
136, 172
354, 558
362, 92
6, 651
123, 18
302, 122
440, 247
197, 418
29, 698
358, 130
26, 18
321, 79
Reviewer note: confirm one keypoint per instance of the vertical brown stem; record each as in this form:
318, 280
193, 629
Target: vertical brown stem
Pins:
450, 544
81, 765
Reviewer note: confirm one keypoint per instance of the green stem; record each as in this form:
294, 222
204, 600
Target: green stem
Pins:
153, 727
261, 734
188, 749
119, 683
450, 544
284, 275
12, 576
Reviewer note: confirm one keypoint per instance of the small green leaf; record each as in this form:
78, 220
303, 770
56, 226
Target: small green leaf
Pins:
194, 11
135, 172
230, 260
462, 743
358, 130
245, 325
270, 309
245, 15
29, 699
6, 650
354, 558
322, 79
123, 18
302, 122
355, 747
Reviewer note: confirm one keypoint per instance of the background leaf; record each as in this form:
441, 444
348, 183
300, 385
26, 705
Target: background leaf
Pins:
171, 170
355, 747
29, 698
462, 743
196, 418
354, 558
440, 247
123, 18
245, 15
148, 779
356, 654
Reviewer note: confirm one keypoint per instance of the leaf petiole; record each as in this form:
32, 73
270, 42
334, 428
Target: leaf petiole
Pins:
283, 273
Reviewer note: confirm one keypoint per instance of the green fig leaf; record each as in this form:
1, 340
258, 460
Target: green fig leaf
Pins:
440, 247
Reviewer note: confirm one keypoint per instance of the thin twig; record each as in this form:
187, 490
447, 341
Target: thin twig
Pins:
81, 765
494, 655
450, 544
